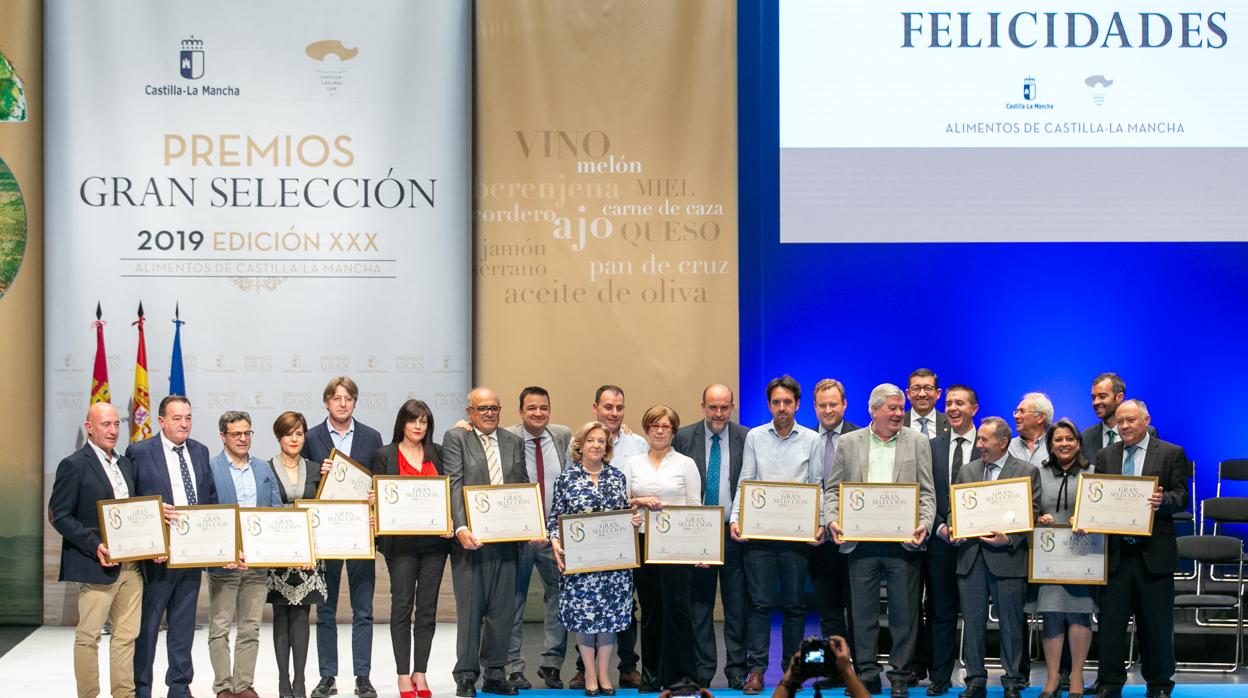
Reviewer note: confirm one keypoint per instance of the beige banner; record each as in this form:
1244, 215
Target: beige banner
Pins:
21, 312
606, 201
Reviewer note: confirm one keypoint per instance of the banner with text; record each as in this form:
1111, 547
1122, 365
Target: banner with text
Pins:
606, 201
289, 180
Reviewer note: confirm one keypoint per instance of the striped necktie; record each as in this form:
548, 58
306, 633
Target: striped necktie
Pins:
491, 459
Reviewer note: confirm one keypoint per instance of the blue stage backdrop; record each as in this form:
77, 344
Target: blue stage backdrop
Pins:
1005, 318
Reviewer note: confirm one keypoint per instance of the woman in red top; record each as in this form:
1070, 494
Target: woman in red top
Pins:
415, 562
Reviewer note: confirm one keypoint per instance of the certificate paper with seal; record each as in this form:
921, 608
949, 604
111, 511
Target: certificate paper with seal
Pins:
1058, 556
878, 512
1114, 504
685, 535
346, 479
276, 537
979, 508
599, 541
505, 513
340, 528
413, 506
779, 511
205, 535
133, 529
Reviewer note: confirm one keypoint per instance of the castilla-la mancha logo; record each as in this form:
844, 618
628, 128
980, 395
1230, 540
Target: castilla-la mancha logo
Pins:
191, 58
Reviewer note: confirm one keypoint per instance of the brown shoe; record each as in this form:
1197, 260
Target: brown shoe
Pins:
630, 679
226, 694
753, 684
247, 693
578, 681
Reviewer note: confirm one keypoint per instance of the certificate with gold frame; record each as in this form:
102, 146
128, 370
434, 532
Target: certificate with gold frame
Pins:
1115, 504
779, 511
685, 535
599, 541
346, 479
413, 505
276, 537
1058, 556
205, 535
133, 529
505, 513
878, 512
980, 508
340, 528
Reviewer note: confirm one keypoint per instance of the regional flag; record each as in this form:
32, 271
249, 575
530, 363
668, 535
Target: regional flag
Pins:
141, 402
99, 378
177, 378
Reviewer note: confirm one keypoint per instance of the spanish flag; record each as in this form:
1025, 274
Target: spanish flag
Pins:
141, 403
99, 379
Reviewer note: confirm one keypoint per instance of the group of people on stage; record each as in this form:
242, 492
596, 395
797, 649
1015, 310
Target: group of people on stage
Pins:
604, 466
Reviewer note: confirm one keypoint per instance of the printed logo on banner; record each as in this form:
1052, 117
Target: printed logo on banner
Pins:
1099, 85
336, 363
1029, 89
330, 54
191, 58
68, 400
1030, 93
297, 401
409, 363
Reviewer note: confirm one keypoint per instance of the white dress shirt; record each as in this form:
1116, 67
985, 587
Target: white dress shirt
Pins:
725, 466
550, 462
916, 425
1142, 449
1105, 431
175, 471
109, 461
675, 482
966, 449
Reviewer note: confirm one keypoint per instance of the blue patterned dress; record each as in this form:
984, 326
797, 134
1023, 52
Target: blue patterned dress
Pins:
592, 602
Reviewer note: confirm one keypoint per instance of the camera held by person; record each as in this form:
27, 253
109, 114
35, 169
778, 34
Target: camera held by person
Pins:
818, 658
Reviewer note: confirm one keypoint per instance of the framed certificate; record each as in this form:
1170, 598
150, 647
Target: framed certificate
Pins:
204, 536
685, 536
878, 512
1114, 504
779, 511
276, 537
1058, 556
505, 513
599, 541
133, 529
979, 508
346, 479
413, 506
340, 528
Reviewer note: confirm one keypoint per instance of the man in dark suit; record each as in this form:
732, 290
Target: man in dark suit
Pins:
1108, 392
828, 568
994, 565
174, 466
545, 448
716, 444
483, 575
342, 432
950, 451
923, 389
106, 589
1141, 568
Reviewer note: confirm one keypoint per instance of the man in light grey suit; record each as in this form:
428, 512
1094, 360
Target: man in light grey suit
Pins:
884, 452
545, 447
993, 565
483, 576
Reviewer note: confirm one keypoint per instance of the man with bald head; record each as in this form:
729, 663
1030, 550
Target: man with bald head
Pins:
106, 589
716, 444
483, 575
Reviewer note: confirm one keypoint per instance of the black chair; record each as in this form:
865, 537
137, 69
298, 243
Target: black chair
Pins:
1224, 510
1213, 550
1190, 519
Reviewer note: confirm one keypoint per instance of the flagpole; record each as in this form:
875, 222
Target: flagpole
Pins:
99, 376
141, 401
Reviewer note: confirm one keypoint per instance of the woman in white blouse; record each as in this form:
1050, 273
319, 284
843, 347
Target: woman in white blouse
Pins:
662, 477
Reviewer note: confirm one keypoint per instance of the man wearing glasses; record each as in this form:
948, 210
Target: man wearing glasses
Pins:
237, 593
342, 432
923, 391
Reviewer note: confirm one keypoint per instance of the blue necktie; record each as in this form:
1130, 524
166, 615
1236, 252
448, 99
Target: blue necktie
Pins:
711, 498
829, 455
1128, 466
186, 475
989, 469
923, 426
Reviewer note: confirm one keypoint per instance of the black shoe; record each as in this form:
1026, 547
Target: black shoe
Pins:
502, 688
364, 687
517, 679
325, 688
1109, 692
1158, 693
606, 691
735, 683
591, 693
465, 688
647, 688
875, 687
974, 692
550, 675
918, 675
899, 688
938, 688
1013, 692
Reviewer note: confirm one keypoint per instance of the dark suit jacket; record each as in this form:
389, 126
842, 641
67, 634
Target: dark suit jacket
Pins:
463, 462
1008, 560
691, 441
316, 448
151, 476
386, 462
1169, 463
80, 483
1093, 437
940, 471
942, 422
